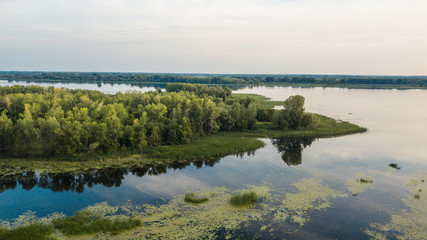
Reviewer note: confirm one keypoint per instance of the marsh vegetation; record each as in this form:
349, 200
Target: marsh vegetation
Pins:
243, 198
192, 197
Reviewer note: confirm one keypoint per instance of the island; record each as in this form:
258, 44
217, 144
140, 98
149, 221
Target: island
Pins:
56, 131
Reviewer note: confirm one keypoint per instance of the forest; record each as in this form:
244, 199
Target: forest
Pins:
230, 79
57, 121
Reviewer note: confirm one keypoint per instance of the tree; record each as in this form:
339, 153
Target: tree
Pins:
6, 131
293, 116
25, 133
294, 111
47, 129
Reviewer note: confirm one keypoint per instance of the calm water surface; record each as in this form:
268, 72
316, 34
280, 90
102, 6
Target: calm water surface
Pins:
396, 120
109, 88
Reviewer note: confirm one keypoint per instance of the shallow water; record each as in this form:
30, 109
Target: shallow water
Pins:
396, 122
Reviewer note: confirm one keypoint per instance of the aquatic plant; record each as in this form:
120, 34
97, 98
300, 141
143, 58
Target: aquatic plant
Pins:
243, 199
361, 184
362, 180
36, 231
85, 222
194, 198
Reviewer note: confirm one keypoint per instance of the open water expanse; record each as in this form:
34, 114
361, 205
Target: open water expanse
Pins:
335, 188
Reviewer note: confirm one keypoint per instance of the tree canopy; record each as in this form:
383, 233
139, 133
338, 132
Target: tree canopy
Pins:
293, 115
52, 121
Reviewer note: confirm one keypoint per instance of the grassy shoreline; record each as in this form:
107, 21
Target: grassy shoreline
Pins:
202, 148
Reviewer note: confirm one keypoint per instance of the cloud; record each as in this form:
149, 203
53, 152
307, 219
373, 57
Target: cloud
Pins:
252, 36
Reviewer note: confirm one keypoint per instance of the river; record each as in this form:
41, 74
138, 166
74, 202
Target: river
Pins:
349, 185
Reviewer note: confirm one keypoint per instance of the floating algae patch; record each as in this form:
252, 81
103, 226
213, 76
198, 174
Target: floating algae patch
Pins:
28, 218
410, 223
177, 220
361, 184
216, 218
312, 195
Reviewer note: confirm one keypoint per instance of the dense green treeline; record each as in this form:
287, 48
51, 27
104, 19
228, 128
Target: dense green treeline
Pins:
51, 121
236, 79
82, 77
200, 90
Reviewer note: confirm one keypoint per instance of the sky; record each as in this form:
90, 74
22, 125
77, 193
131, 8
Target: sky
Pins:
365, 37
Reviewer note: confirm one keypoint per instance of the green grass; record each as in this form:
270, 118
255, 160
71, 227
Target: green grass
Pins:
207, 147
194, 198
328, 127
85, 222
36, 231
243, 199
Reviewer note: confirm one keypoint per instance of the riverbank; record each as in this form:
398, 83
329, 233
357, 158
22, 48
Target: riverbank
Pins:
199, 149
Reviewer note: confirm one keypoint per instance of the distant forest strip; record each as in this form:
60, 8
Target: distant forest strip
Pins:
231, 79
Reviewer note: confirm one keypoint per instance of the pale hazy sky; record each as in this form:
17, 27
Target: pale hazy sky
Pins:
215, 36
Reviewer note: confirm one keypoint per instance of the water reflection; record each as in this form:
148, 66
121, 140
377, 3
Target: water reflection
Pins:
291, 149
77, 181
105, 87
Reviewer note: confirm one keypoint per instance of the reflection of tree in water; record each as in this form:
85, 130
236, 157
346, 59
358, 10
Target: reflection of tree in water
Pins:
78, 181
291, 149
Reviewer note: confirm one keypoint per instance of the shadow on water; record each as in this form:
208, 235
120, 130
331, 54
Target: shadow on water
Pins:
291, 149
79, 180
